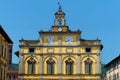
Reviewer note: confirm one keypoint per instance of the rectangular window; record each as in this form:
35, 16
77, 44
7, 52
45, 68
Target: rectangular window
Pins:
88, 68
88, 50
50, 68
9, 77
2, 50
31, 50
5, 52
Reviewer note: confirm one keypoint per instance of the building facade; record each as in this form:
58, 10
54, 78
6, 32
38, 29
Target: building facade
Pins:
5, 48
60, 54
12, 73
113, 69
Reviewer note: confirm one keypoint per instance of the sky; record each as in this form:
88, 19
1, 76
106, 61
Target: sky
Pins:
95, 18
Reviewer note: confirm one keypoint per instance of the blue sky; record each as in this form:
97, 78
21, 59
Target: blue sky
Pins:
95, 18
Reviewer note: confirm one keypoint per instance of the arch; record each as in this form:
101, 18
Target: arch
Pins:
47, 58
34, 57
88, 65
27, 65
90, 57
46, 65
72, 57
64, 65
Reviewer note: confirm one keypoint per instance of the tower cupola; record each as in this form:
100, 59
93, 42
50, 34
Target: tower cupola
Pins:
59, 17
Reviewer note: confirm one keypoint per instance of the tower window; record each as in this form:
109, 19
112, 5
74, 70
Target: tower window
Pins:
31, 50
69, 66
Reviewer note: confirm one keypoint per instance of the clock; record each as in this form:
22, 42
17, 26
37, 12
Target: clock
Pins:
68, 39
59, 29
50, 39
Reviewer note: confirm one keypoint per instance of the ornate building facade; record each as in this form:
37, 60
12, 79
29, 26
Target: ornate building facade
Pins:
12, 73
113, 69
60, 54
5, 52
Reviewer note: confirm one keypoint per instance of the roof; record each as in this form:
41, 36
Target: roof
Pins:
103, 69
112, 61
13, 66
4, 34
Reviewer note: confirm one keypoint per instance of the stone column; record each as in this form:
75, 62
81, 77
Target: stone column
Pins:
59, 65
40, 65
98, 64
78, 64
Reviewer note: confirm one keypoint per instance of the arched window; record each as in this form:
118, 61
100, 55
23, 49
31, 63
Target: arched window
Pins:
59, 22
31, 66
50, 66
88, 66
69, 66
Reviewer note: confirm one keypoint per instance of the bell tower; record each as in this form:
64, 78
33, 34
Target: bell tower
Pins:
59, 17
59, 21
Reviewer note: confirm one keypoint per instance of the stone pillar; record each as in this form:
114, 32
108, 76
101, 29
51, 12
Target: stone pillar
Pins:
40, 65
78, 64
59, 65
98, 64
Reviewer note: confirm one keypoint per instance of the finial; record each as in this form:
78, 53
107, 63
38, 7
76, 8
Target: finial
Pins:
60, 8
97, 38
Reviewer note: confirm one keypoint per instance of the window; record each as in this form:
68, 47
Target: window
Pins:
88, 66
14, 76
31, 49
9, 77
88, 50
117, 75
31, 66
60, 22
50, 66
69, 66
2, 50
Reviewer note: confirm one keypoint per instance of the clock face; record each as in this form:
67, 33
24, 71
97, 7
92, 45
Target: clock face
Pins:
59, 29
68, 39
50, 39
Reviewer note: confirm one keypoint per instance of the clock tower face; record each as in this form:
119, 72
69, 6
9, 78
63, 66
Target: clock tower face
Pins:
59, 29
50, 39
68, 39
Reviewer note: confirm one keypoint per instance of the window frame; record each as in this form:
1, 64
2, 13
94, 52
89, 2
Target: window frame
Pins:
31, 49
69, 66
88, 67
50, 66
31, 66
88, 50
